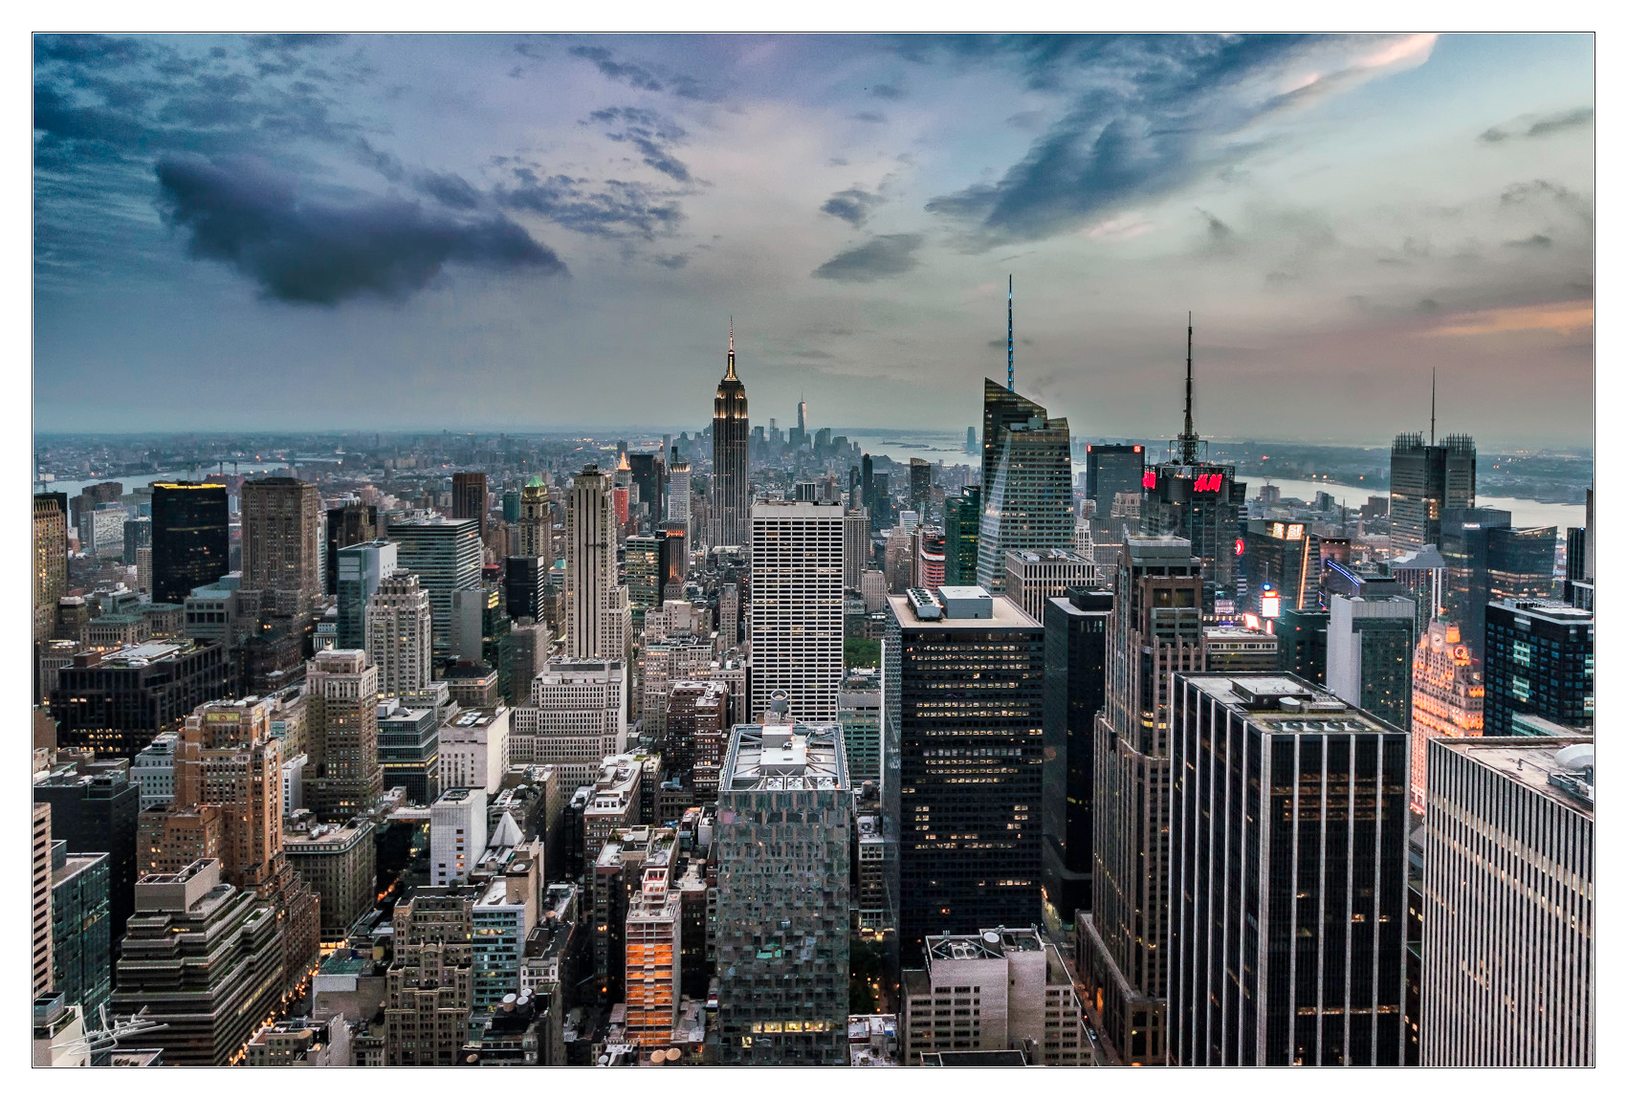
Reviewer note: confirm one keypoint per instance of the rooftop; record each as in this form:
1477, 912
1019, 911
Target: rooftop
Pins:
1281, 703
785, 757
1004, 614
1559, 768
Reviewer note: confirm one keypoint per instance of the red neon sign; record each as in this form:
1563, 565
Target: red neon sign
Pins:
1207, 483
1149, 480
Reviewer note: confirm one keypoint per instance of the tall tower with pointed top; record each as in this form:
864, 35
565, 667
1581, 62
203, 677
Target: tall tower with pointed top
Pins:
731, 486
1193, 498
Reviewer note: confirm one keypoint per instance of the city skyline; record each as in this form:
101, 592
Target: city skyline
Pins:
388, 218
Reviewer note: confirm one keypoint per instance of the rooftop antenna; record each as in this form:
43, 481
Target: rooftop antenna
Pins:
1011, 345
1189, 437
1431, 406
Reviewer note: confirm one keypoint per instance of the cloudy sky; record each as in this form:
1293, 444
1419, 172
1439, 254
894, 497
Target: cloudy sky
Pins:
537, 233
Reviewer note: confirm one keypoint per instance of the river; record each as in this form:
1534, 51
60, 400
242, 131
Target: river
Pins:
139, 481
1523, 512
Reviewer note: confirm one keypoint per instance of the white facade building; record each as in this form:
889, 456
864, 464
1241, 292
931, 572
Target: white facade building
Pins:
457, 834
577, 716
598, 616
796, 607
399, 631
473, 749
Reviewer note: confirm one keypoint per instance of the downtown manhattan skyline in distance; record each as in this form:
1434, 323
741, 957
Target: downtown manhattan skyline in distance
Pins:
546, 233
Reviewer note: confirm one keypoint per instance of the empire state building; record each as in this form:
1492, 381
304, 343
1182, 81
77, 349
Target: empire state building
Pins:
731, 489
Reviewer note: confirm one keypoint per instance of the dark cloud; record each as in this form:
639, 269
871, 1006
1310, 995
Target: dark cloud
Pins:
642, 77
323, 251
673, 262
1539, 192
853, 206
448, 189
653, 135
1220, 238
877, 258
1535, 240
613, 209
886, 91
1148, 116
1528, 127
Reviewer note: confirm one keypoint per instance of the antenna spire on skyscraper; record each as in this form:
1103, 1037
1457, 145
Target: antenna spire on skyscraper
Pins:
1189, 437
1011, 346
1431, 406
730, 374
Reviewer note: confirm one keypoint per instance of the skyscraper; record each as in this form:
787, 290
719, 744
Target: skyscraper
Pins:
1539, 661
1035, 576
1448, 698
362, 568
445, 555
1156, 629
397, 633
469, 498
535, 521
598, 617
784, 825
731, 467
350, 523
1288, 876
962, 517
920, 486
281, 541
343, 776
40, 898
1111, 469
1075, 688
650, 476
678, 497
1192, 498
1426, 480
50, 560
189, 538
1371, 639
1508, 901
1028, 486
796, 607
97, 811
855, 546
962, 760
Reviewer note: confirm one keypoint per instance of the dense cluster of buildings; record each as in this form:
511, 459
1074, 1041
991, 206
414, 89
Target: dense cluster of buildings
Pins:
749, 748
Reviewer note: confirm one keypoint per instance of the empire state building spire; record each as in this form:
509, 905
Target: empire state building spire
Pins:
729, 374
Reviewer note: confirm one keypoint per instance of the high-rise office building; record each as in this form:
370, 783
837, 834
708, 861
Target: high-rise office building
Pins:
457, 834
1034, 577
362, 568
1156, 629
429, 988
343, 776
469, 495
1539, 662
114, 704
1111, 469
81, 945
731, 466
1371, 639
138, 550
653, 949
190, 545
858, 711
398, 632
678, 498
1448, 698
1302, 644
1426, 481
96, 810
577, 716
1277, 569
1288, 876
855, 546
525, 588
1508, 952
796, 607
228, 805
962, 517
650, 478
598, 612
929, 557
535, 522
201, 958
49, 566
784, 825
1028, 488
1075, 687
445, 555
281, 539
963, 760
40, 898
920, 486
348, 524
